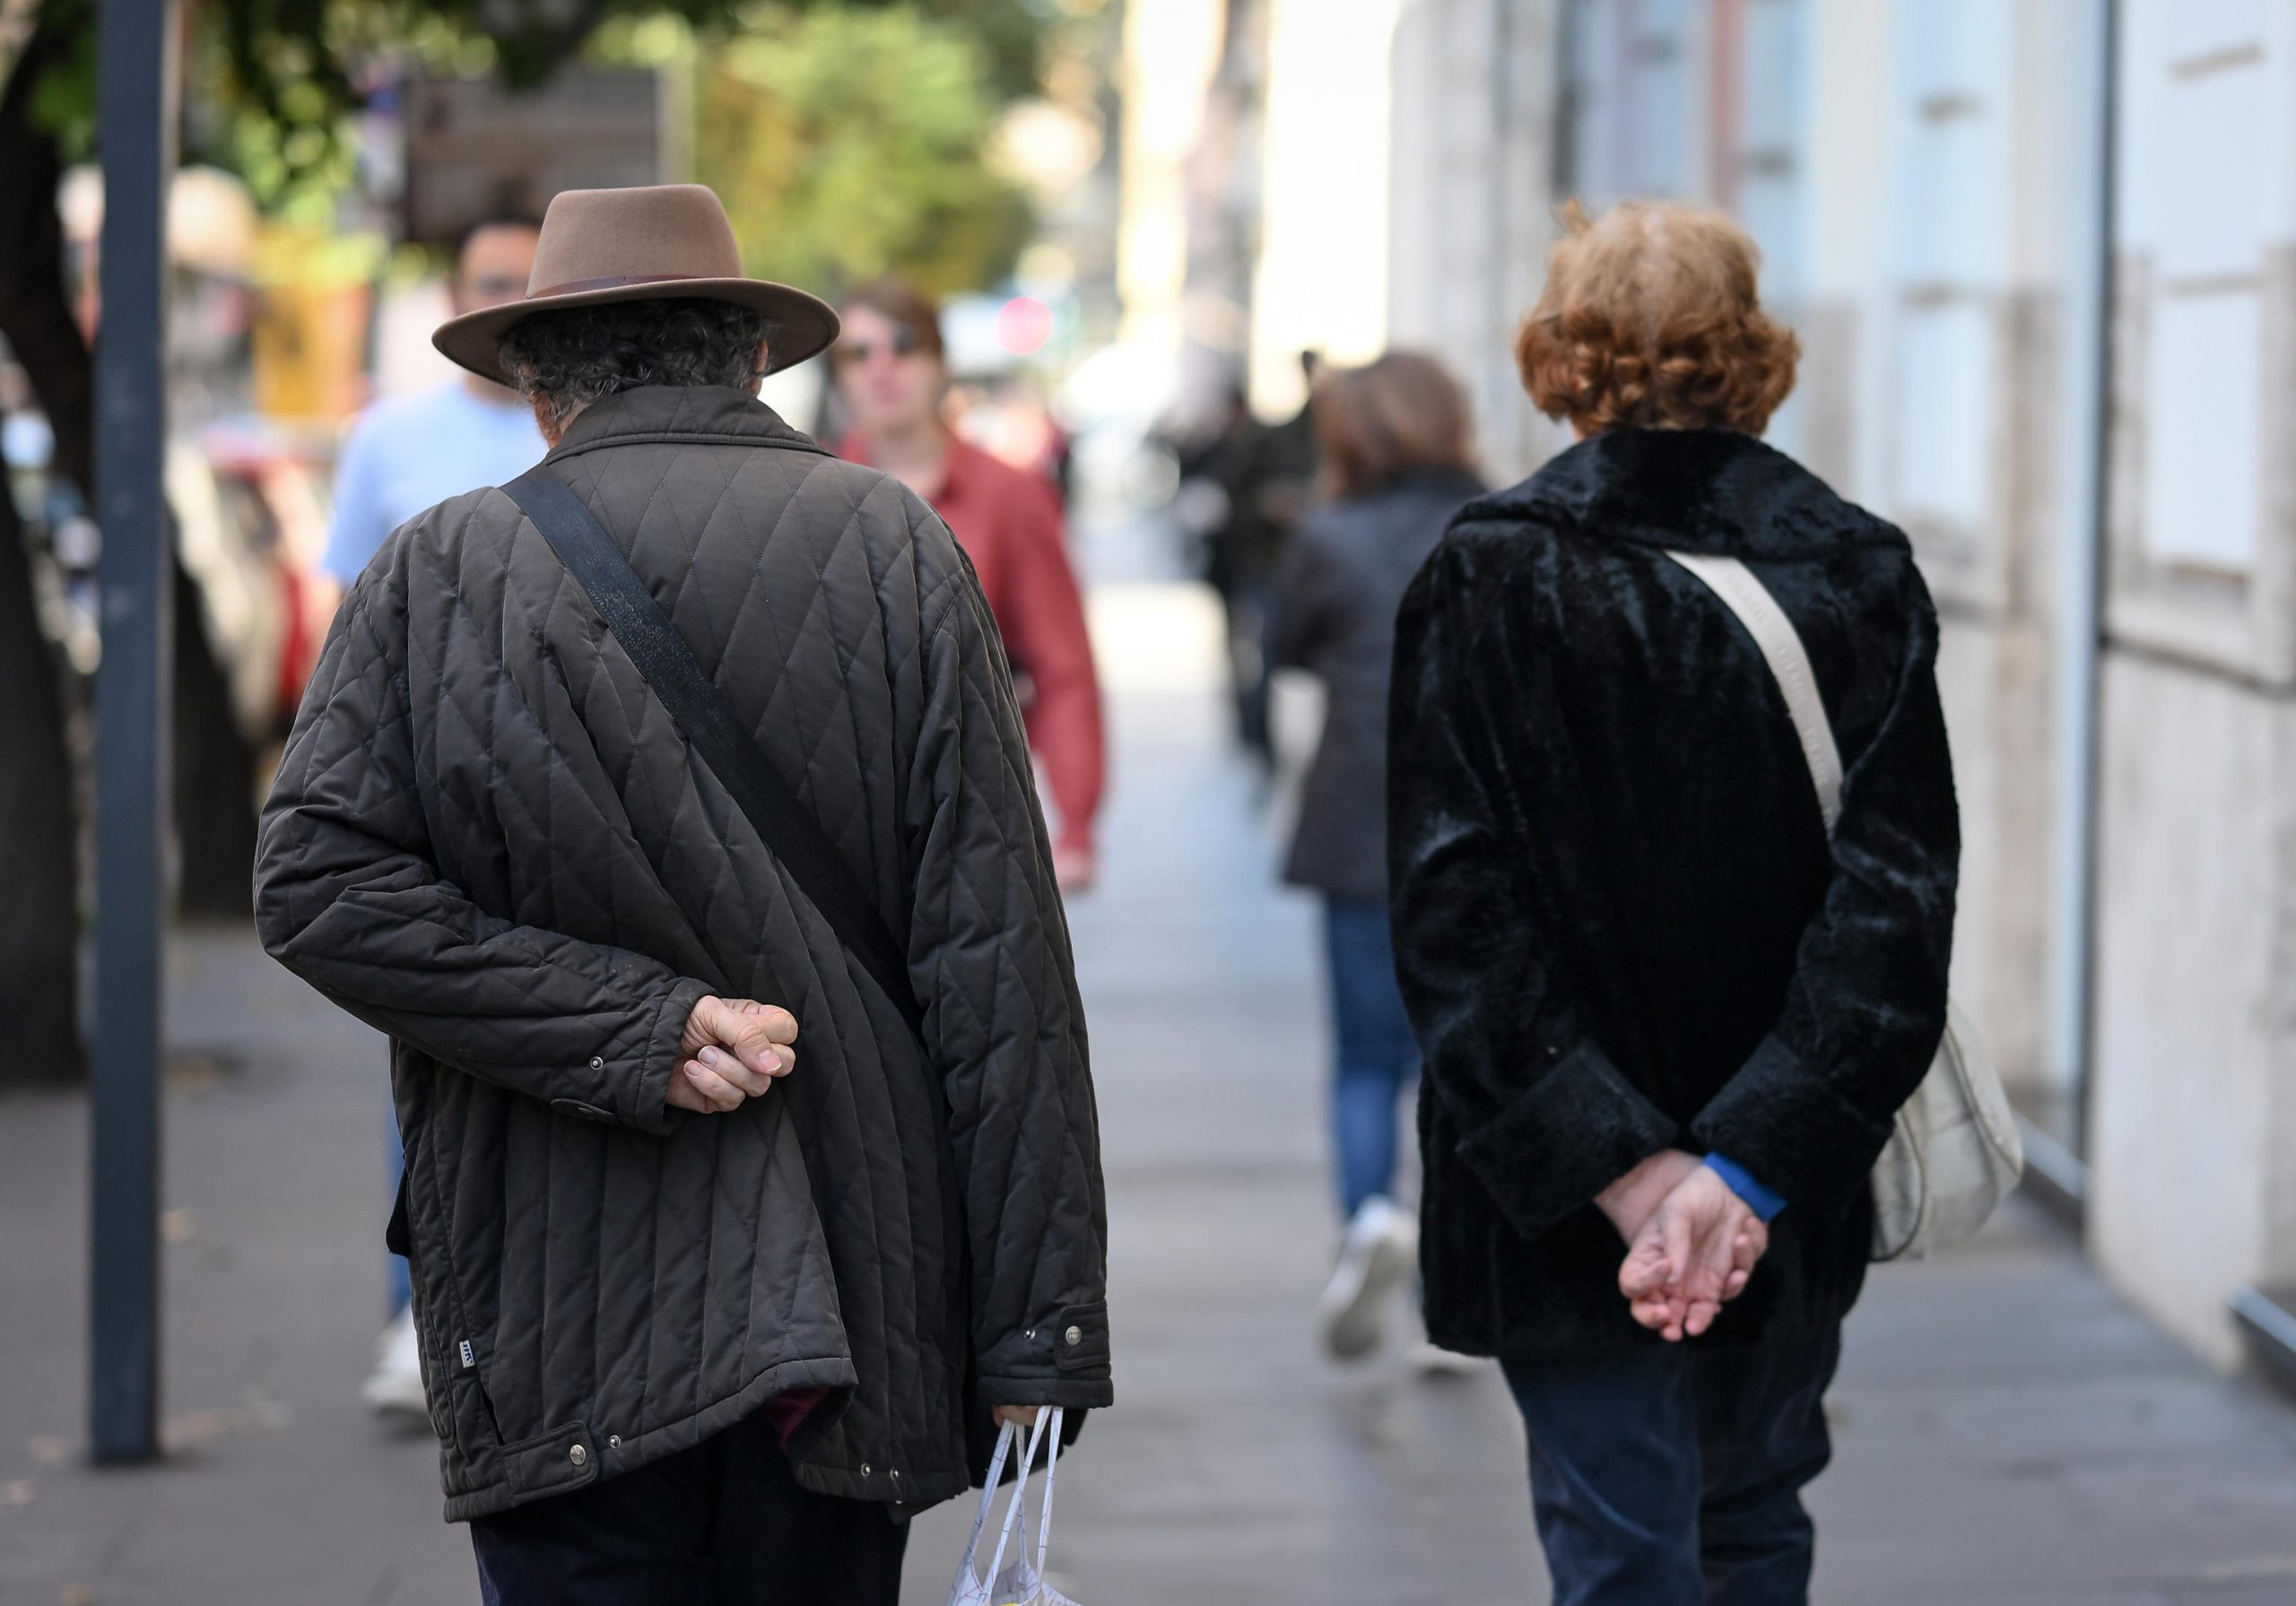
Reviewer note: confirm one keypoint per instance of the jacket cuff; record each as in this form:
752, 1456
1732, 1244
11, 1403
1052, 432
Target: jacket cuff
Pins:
1070, 1393
642, 1098
1566, 1138
1062, 1360
1785, 1123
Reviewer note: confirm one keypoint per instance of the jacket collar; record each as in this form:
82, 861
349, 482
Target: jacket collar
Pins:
699, 413
1703, 491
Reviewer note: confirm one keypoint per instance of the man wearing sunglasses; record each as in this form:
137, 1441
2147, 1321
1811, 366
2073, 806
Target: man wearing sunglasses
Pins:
405, 454
891, 373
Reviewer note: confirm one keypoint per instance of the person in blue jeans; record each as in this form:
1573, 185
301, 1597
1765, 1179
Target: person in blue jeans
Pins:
1668, 1017
1392, 443
405, 454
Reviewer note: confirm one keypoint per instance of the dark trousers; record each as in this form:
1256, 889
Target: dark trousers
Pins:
1246, 608
724, 1524
1377, 1056
1673, 1476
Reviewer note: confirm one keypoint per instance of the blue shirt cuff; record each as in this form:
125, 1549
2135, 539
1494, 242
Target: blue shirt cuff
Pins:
1759, 1199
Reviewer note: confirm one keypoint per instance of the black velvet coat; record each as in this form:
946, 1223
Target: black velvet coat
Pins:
1620, 926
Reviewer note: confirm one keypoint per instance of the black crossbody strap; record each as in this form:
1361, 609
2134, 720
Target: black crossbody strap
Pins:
700, 710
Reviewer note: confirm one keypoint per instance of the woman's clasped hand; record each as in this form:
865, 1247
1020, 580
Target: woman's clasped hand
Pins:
1692, 1243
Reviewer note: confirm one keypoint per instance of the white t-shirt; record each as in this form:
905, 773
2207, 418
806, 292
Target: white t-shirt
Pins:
407, 454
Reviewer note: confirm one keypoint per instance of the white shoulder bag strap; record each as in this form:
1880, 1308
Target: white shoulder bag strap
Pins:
1790, 664
1954, 1150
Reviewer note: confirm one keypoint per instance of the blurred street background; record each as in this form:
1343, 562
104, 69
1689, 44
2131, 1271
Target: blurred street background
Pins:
2042, 256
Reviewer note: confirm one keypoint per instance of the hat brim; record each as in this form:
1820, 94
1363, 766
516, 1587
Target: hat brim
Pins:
803, 326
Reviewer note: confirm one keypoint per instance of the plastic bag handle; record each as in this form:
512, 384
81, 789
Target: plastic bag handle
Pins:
1013, 1510
987, 1499
1051, 1470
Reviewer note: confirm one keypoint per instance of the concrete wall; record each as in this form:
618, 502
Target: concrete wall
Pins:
1475, 110
2191, 852
1321, 278
2194, 1101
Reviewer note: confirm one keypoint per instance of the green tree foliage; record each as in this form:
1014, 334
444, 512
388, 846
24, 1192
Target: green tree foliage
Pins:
893, 168
848, 143
269, 82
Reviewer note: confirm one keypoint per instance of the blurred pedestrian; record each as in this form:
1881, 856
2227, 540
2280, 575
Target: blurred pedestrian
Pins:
1660, 1006
1393, 441
407, 454
699, 1322
1207, 463
1267, 472
891, 373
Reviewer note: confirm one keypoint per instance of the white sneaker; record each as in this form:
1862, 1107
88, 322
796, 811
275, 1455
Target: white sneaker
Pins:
394, 1387
1381, 1246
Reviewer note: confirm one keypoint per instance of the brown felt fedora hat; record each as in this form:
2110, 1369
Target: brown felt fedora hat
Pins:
652, 244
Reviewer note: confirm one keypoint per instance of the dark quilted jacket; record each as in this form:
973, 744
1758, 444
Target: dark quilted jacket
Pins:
488, 841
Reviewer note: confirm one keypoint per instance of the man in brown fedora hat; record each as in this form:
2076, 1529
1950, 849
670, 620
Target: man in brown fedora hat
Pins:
610, 785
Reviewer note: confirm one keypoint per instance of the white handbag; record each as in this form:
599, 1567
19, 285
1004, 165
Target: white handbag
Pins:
1955, 1153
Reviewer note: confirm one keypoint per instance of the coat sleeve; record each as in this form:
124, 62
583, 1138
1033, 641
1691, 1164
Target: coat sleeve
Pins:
349, 896
989, 957
1546, 1120
1812, 1106
1045, 631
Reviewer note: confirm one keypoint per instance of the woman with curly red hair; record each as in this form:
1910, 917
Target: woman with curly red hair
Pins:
1668, 1000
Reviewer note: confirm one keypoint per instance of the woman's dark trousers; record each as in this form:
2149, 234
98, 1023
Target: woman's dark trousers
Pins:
1377, 1054
724, 1524
1673, 1476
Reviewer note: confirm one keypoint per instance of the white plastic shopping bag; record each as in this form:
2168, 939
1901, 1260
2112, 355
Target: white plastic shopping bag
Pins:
1021, 1583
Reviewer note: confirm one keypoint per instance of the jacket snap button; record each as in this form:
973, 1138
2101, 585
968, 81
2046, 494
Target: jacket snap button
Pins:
865, 1469
578, 1455
597, 1063
1074, 1335
614, 1441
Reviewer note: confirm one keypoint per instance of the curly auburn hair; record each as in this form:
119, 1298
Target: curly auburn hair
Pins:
1649, 319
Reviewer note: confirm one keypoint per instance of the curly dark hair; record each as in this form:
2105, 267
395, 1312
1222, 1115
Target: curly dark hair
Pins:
562, 361
1650, 319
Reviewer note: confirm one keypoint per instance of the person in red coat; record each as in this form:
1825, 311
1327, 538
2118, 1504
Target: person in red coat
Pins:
892, 370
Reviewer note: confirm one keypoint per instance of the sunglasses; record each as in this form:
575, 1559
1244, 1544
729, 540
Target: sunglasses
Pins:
904, 342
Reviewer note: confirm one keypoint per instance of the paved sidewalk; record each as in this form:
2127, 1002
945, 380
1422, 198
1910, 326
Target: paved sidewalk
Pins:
2008, 1431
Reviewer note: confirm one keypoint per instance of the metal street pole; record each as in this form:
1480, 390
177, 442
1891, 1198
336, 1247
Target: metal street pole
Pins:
137, 43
